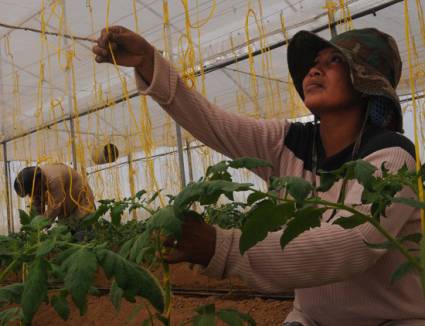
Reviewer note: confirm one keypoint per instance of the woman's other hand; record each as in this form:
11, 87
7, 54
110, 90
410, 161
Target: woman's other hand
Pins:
196, 245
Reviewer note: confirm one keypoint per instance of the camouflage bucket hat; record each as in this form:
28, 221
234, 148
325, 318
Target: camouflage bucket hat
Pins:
373, 59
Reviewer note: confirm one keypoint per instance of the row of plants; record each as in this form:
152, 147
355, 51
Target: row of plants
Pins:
44, 254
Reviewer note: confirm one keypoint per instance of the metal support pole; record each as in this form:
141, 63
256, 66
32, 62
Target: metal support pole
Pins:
10, 226
70, 104
131, 173
189, 160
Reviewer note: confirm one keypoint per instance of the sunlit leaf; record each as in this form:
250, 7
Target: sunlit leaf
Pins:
305, 219
349, 222
166, 221
249, 163
132, 279
79, 269
35, 288
401, 271
263, 218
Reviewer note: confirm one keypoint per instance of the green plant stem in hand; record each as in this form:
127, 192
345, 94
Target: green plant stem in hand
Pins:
166, 284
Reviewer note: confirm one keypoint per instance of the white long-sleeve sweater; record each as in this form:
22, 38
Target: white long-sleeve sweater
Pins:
338, 280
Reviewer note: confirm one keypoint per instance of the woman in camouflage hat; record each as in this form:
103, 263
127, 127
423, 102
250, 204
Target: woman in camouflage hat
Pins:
349, 85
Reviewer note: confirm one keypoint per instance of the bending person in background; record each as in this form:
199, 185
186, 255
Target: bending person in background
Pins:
56, 191
349, 85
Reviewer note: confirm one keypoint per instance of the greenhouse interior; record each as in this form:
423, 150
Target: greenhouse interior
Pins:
61, 106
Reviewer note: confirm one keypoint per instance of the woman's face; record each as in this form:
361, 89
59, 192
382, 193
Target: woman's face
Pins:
327, 86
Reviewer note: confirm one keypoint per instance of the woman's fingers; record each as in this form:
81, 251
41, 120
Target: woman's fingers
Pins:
101, 52
175, 256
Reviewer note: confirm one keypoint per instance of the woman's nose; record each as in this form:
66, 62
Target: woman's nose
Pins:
315, 71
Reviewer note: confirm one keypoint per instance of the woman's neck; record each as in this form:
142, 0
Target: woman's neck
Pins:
340, 129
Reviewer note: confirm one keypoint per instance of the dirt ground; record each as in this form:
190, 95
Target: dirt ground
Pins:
266, 312
101, 312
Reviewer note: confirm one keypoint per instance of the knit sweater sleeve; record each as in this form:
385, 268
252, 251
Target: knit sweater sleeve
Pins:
320, 256
228, 133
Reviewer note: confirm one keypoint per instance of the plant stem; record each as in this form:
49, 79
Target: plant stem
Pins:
167, 289
166, 285
8, 269
374, 222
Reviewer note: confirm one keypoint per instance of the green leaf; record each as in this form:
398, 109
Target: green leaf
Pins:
249, 163
116, 295
414, 237
409, 202
255, 196
40, 222
363, 172
401, 271
166, 221
203, 320
79, 269
188, 195
349, 222
45, 247
139, 245
60, 304
212, 190
94, 217
218, 171
140, 193
11, 293
24, 218
206, 316
235, 318
206, 192
9, 315
126, 247
35, 289
206, 309
297, 187
263, 218
116, 213
132, 279
104, 202
327, 180
305, 219
154, 196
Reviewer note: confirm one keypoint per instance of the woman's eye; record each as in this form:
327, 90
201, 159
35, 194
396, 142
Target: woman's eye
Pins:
336, 59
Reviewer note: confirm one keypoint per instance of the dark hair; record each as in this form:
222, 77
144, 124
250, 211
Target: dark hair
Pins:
25, 179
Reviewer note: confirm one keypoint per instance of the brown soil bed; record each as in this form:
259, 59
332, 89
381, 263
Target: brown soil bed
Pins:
101, 311
266, 312
183, 275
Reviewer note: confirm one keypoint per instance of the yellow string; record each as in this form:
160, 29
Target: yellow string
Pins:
125, 89
331, 7
254, 86
415, 126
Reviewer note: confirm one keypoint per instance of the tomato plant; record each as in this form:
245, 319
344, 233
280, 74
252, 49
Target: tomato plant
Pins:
45, 253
